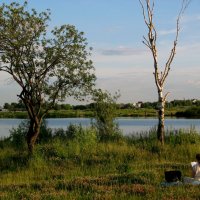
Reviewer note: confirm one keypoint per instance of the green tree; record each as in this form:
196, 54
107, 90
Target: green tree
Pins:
48, 66
6, 106
105, 108
66, 106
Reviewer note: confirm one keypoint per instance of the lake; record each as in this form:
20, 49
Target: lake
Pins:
127, 125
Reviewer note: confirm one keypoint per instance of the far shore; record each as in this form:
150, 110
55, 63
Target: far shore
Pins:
140, 112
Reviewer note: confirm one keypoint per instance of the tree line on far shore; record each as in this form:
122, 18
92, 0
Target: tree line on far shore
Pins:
19, 106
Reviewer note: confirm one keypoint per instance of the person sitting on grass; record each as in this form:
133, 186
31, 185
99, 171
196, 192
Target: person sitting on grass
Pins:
196, 168
172, 177
195, 180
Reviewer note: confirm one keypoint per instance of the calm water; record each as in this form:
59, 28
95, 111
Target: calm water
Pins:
127, 125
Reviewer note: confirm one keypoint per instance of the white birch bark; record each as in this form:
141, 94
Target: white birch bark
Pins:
150, 42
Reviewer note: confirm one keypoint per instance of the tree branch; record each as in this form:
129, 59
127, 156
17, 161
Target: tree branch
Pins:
184, 5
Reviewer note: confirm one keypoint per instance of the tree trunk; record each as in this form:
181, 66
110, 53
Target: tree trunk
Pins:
161, 118
32, 135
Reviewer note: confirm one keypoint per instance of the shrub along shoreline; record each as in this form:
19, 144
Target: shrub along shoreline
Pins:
76, 164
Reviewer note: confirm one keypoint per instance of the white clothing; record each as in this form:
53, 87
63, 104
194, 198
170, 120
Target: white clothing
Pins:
196, 170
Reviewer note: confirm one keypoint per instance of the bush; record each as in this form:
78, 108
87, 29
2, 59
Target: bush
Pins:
69, 134
105, 108
53, 150
72, 131
86, 138
193, 111
59, 133
45, 133
83, 145
18, 135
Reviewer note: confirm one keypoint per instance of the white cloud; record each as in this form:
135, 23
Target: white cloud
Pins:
137, 84
121, 51
191, 18
113, 29
194, 82
167, 32
195, 47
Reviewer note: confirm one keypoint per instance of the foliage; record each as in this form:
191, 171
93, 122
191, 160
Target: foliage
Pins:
52, 66
86, 138
55, 149
72, 131
75, 142
105, 108
46, 133
193, 111
15, 106
175, 104
47, 68
18, 135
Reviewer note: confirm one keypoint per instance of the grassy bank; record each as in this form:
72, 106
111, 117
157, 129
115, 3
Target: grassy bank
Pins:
140, 112
191, 112
51, 114
148, 112
85, 168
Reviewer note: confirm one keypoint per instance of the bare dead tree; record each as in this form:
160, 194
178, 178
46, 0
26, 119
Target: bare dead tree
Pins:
160, 75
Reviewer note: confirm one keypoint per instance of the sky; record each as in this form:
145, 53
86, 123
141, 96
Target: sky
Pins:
115, 30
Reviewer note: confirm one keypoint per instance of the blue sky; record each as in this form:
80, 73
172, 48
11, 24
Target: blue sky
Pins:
114, 28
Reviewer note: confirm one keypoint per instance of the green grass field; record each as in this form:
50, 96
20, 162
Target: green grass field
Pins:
85, 168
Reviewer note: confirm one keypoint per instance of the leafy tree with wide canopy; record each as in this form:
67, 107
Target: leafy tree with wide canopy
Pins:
48, 66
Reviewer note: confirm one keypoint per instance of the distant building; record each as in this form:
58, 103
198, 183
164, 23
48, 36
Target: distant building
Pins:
134, 104
2, 109
138, 104
194, 101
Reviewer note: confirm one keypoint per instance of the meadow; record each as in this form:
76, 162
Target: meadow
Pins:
75, 164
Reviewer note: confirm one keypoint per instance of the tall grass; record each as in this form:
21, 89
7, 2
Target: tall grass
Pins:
74, 164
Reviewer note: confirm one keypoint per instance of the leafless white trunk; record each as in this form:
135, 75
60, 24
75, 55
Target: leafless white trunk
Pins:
160, 75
